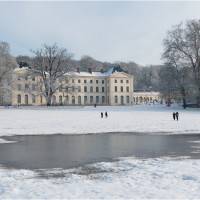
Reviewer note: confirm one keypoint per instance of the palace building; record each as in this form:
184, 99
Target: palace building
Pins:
114, 87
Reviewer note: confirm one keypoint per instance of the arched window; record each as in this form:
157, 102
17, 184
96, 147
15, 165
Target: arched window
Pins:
60, 100
79, 100
54, 99
40, 99
66, 99
19, 99
26, 99
103, 99
116, 99
127, 99
73, 99
33, 98
122, 100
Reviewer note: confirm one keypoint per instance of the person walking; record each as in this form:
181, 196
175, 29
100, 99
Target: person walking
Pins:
106, 114
177, 116
174, 115
101, 115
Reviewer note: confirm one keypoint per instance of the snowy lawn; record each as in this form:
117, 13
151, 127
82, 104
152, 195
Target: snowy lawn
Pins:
128, 178
77, 120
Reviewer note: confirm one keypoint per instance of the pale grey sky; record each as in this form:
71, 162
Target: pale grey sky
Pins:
107, 31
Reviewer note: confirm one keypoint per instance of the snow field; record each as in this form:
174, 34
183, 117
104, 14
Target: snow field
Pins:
86, 120
162, 178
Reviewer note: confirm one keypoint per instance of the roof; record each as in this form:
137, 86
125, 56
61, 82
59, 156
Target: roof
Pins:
97, 74
84, 74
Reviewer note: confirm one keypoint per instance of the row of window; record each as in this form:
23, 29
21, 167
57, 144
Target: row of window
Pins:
65, 100
121, 81
122, 99
91, 100
26, 86
85, 81
26, 78
79, 80
121, 89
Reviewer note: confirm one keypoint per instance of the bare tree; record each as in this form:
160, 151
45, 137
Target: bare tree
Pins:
7, 64
50, 64
182, 50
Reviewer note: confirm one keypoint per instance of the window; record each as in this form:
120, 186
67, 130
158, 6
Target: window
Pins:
73, 89
97, 89
26, 87
79, 88
26, 99
85, 81
122, 100
85, 99
121, 81
115, 88
127, 89
85, 88
97, 99
103, 99
18, 78
116, 99
67, 81
127, 81
19, 87
79, 99
26, 78
33, 78
115, 81
33, 98
127, 99
72, 80
102, 81
91, 81
73, 99
121, 89
60, 89
91, 99
91, 89
66, 99
97, 81
41, 99
102, 89
54, 99
33, 87
60, 99
79, 81
19, 99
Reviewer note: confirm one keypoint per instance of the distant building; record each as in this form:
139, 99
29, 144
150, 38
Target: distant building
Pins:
144, 97
114, 87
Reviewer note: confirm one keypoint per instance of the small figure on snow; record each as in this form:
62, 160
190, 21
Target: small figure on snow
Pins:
177, 116
101, 115
106, 114
174, 115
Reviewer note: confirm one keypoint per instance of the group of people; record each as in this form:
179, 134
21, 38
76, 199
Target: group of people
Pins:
106, 114
175, 115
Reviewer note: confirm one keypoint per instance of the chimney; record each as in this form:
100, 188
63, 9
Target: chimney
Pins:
78, 69
90, 70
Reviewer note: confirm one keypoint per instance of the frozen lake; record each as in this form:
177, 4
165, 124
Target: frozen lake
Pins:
67, 151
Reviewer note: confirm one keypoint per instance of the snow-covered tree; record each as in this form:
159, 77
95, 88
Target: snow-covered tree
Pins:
50, 63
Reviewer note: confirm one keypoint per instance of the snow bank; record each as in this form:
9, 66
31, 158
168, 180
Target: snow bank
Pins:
78, 120
127, 178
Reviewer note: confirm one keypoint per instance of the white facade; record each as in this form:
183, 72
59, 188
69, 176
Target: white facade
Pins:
78, 88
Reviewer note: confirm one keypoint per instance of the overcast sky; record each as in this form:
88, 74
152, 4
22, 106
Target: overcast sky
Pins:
107, 31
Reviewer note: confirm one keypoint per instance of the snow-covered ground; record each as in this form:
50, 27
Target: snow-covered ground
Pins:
128, 178
77, 120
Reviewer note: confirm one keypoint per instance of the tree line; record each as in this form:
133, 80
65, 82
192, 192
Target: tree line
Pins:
178, 78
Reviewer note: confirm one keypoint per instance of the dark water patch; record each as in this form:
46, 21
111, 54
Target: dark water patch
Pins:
69, 151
